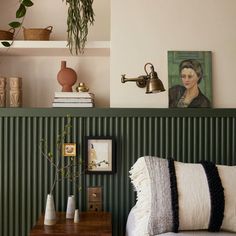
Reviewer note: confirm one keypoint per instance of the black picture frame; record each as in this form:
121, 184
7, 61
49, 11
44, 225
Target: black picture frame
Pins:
100, 155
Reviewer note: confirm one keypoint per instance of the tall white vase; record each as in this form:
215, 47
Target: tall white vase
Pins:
70, 210
50, 212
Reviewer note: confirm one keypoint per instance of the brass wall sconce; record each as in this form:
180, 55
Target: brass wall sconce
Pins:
151, 81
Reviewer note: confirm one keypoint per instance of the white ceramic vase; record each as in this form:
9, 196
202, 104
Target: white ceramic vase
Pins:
76, 217
50, 212
70, 210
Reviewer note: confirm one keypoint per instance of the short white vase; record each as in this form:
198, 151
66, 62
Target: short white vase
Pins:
70, 210
50, 212
76, 217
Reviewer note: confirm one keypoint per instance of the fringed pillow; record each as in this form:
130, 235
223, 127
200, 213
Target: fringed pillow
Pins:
173, 196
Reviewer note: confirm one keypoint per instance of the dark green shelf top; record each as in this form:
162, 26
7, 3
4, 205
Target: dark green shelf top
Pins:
117, 112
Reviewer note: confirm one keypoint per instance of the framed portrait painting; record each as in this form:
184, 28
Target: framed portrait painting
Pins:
100, 155
190, 79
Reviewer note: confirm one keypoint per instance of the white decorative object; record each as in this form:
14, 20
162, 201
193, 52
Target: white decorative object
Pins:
50, 213
15, 92
70, 210
76, 217
2, 91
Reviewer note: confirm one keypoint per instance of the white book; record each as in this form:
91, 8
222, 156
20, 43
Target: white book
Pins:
72, 100
74, 95
64, 104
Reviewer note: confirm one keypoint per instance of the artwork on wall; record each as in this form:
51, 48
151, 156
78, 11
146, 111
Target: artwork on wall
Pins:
99, 155
69, 149
189, 75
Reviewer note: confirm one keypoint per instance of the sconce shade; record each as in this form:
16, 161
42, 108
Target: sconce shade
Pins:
154, 85
150, 80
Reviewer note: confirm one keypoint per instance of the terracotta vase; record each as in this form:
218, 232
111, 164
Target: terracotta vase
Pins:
66, 77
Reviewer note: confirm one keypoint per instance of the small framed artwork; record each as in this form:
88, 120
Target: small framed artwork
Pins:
190, 78
100, 155
69, 149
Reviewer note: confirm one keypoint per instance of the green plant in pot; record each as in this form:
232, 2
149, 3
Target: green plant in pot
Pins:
80, 16
61, 166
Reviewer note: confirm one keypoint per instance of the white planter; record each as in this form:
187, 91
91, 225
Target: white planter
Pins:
70, 210
50, 213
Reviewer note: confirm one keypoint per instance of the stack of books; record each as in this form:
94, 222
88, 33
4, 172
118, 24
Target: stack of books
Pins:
73, 99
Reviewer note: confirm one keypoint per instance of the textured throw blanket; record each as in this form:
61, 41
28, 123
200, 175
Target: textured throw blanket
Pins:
173, 196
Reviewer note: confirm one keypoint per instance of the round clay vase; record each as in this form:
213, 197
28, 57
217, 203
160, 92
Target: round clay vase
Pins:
66, 77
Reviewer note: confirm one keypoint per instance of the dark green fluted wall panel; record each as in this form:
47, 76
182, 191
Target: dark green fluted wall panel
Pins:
186, 135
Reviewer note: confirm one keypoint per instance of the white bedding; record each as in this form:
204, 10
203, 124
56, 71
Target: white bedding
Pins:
130, 229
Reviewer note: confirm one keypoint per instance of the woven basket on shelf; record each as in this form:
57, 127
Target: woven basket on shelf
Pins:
37, 33
7, 35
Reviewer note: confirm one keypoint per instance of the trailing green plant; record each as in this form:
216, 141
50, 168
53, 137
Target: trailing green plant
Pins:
80, 16
20, 15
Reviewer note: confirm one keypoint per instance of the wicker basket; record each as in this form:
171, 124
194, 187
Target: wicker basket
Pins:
37, 33
7, 35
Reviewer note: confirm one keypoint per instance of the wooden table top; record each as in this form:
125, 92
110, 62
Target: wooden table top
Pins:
90, 224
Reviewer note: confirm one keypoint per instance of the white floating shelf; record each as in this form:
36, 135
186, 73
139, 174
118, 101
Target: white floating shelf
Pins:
53, 48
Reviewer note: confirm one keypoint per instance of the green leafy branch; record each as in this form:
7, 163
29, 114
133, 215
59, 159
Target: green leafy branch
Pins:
67, 171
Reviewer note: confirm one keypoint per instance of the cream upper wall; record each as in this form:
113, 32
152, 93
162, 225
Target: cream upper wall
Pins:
141, 31
144, 30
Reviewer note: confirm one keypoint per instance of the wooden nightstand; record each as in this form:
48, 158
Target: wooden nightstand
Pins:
91, 224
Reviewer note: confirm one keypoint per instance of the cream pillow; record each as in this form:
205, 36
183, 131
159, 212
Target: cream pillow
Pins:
174, 196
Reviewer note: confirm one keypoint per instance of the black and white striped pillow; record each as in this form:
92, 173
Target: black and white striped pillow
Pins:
175, 196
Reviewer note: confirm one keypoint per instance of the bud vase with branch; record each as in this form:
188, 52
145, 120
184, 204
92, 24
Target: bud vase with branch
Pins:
64, 168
